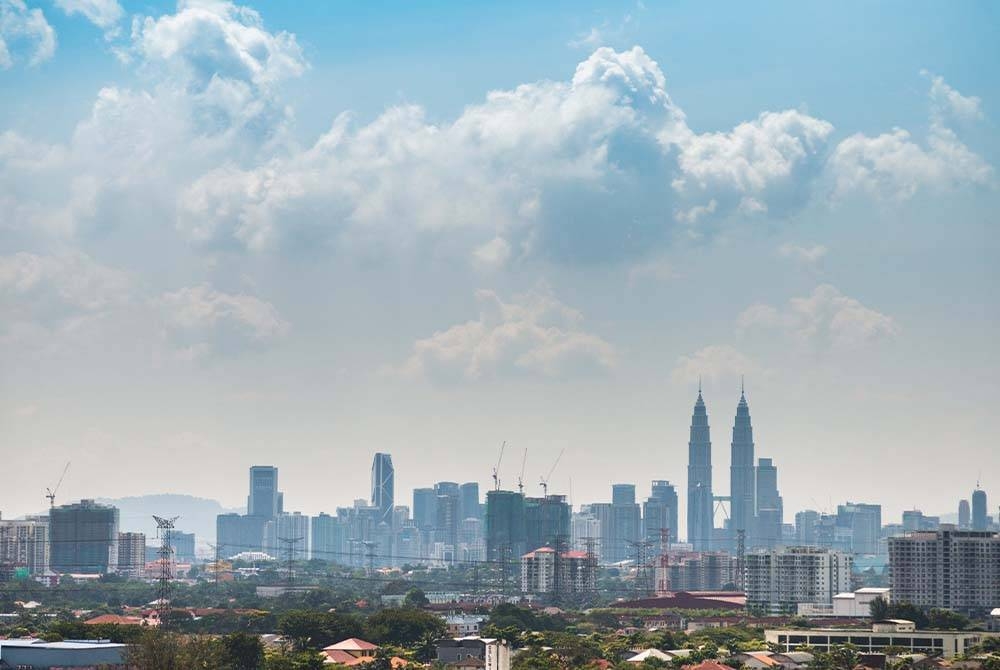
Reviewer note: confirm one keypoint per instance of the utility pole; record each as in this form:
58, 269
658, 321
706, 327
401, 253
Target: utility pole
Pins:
163, 527
215, 570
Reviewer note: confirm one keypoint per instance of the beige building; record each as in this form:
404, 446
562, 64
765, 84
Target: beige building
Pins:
780, 579
884, 634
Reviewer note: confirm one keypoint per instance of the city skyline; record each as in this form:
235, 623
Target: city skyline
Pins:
249, 233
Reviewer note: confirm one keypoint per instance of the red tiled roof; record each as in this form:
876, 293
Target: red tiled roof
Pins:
352, 644
115, 619
708, 665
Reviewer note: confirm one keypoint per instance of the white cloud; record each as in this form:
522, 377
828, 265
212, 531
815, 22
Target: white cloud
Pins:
714, 363
532, 335
760, 165
946, 101
591, 39
807, 255
105, 14
27, 29
492, 255
892, 166
200, 321
826, 319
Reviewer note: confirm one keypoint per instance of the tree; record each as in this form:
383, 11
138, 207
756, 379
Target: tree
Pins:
879, 608
404, 627
416, 598
242, 651
318, 629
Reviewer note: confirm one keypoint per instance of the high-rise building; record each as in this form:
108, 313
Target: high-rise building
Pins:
623, 494
546, 521
964, 515
914, 519
585, 530
979, 516
424, 508
947, 568
235, 533
770, 511
264, 499
700, 503
778, 580
701, 571
25, 544
805, 528
505, 526
865, 522
741, 475
383, 487
183, 546
469, 497
329, 536
621, 523
287, 536
132, 555
544, 572
84, 538
659, 512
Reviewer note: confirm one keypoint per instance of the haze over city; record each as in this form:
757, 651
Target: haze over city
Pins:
297, 235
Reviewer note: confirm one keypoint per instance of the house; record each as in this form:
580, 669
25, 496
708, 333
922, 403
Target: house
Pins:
464, 625
494, 653
117, 619
709, 665
351, 651
645, 654
757, 659
792, 660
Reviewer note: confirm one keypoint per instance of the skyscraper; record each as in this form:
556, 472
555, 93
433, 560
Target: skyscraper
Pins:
865, 522
424, 508
84, 538
699, 493
505, 525
469, 505
659, 512
770, 513
979, 520
964, 515
383, 477
741, 473
264, 500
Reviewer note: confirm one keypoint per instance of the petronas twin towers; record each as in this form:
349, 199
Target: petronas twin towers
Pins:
743, 498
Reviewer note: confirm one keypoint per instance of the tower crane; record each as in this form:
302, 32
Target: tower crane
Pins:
545, 480
496, 469
520, 478
51, 493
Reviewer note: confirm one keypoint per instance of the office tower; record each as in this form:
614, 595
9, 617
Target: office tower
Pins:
979, 520
383, 487
446, 524
264, 499
546, 521
505, 527
947, 568
741, 475
621, 523
777, 580
914, 520
865, 522
328, 535
448, 489
770, 512
235, 534
623, 494
287, 536
424, 508
805, 527
183, 545
24, 544
700, 509
84, 538
659, 512
132, 555
964, 515
469, 496
585, 529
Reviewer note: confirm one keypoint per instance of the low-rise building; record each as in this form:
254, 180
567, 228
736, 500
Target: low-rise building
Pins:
494, 653
853, 604
883, 635
66, 655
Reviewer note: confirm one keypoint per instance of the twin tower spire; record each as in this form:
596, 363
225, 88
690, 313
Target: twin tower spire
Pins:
701, 500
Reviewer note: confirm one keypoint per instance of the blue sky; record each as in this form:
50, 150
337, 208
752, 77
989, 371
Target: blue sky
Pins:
298, 233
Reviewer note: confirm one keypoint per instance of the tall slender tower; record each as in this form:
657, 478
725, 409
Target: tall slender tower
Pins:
699, 500
741, 474
383, 493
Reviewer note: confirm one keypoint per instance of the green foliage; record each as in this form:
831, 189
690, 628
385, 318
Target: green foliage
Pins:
242, 651
416, 598
315, 630
405, 627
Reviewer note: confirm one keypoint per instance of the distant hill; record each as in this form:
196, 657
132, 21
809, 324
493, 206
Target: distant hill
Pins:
197, 515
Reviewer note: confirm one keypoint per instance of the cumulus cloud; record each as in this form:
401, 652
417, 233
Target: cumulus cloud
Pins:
105, 14
826, 319
894, 167
761, 165
533, 335
200, 321
24, 29
714, 363
807, 255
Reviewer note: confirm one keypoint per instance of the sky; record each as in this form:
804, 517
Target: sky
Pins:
300, 233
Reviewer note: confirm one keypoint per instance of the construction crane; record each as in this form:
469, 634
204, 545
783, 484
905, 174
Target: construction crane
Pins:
496, 469
520, 478
545, 480
51, 493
